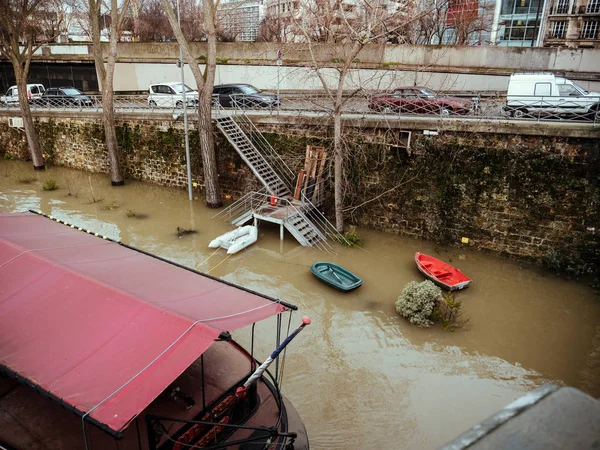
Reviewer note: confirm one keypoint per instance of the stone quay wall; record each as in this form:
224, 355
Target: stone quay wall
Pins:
532, 197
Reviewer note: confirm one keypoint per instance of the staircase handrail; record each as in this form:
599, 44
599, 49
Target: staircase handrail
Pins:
259, 153
284, 170
246, 202
263, 146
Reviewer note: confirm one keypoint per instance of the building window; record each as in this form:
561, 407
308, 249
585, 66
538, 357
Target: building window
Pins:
559, 30
562, 7
590, 30
593, 7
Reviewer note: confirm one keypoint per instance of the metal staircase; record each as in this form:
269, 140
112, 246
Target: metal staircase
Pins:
251, 156
308, 226
300, 217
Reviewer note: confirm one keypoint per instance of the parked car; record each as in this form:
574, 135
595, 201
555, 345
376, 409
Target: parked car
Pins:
64, 96
170, 95
243, 96
34, 91
420, 100
547, 95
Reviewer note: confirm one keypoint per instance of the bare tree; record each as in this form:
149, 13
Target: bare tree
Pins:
106, 76
152, 23
26, 25
452, 22
270, 30
326, 23
205, 83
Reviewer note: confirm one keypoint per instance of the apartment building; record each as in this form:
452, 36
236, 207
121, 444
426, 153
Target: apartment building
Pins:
239, 19
573, 23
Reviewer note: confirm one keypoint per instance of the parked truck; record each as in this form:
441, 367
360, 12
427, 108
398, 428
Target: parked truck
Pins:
549, 96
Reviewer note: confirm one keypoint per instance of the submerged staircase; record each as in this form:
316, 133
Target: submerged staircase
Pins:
299, 216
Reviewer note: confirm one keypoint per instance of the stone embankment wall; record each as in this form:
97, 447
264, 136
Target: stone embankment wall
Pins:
532, 197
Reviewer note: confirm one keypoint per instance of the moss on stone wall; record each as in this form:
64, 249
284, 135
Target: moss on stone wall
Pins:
537, 199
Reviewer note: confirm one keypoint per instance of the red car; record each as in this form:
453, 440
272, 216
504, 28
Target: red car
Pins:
420, 100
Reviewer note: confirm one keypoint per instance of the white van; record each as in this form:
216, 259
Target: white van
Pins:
33, 91
170, 95
544, 94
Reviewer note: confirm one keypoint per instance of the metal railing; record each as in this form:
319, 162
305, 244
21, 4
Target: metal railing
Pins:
586, 108
249, 202
364, 105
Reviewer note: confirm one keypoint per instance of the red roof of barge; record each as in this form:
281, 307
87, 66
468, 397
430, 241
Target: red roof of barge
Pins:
102, 327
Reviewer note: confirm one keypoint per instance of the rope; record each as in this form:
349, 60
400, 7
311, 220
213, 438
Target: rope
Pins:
213, 268
44, 249
281, 370
213, 254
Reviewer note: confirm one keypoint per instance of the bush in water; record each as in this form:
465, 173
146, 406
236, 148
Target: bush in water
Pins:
418, 301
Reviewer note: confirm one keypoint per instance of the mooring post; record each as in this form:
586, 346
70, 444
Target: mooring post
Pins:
281, 231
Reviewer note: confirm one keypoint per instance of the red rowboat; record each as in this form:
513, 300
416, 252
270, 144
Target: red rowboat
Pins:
441, 273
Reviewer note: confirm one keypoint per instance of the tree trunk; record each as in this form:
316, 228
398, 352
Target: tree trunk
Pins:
209, 159
338, 169
105, 81
110, 139
32, 138
205, 127
108, 113
205, 83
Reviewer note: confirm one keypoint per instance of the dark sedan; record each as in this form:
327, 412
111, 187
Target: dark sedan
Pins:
420, 100
243, 96
64, 96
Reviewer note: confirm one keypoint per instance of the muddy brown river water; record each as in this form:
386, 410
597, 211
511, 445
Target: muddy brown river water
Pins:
360, 376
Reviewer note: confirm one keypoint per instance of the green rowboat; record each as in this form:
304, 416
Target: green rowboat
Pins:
335, 276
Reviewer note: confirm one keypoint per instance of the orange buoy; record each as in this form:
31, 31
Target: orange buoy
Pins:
273, 200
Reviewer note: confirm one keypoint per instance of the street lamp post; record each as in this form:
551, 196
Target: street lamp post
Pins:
185, 121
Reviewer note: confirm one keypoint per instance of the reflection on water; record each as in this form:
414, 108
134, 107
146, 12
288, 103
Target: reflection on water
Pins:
360, 376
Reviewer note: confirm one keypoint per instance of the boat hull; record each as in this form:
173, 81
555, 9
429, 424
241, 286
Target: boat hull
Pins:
442, 274
236, 240
336, 276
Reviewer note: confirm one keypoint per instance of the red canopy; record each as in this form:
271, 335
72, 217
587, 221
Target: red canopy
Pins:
101, 326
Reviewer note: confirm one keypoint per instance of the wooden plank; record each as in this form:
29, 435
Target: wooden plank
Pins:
308, 163
299, 183
322, 157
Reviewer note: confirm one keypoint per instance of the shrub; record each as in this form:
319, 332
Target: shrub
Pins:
352, 238
184, 231
26, 179
424, 304
130, 213
447, 311
50, 185
110, 205
418, 301
8, 157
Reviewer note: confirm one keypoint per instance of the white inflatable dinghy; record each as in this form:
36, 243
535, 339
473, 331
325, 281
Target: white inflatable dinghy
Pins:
236, 240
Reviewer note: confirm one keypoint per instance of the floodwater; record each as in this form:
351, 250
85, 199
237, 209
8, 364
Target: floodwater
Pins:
360, 376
